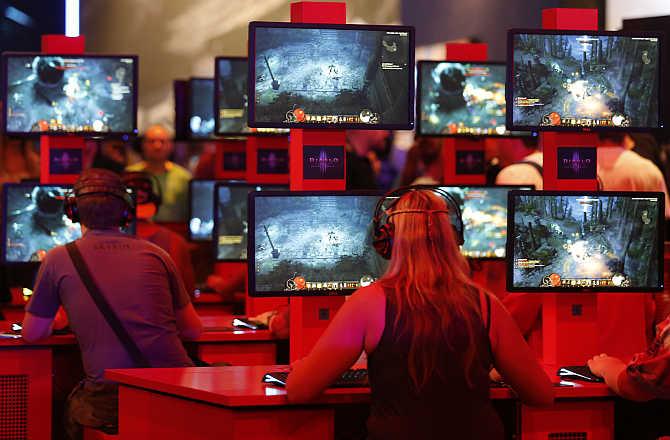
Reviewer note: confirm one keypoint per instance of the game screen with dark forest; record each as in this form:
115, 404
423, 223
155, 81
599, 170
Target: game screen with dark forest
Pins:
313, 244
201, 221
70, 94
484, 213
201, 108
578, 81
232, 95
34, 221
594, 241
231, 223
353, 77
461, 99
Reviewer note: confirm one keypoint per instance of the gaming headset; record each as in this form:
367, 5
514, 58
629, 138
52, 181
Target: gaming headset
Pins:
97, 181
382, 238
146, 187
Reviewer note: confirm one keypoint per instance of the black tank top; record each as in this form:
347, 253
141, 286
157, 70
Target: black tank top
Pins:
445, 408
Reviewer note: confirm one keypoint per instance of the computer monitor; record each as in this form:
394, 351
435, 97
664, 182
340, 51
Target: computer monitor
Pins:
201, 209
180, 93
592, 241
230, 218
34, 222
583, 80
69, 94
484, 213
331, 76
461, 99
201, 108
312, 243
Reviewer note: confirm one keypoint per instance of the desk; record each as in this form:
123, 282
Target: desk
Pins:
35, 378
232, 403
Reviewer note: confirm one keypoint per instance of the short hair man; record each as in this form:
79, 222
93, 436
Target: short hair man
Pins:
138, 281
157, 146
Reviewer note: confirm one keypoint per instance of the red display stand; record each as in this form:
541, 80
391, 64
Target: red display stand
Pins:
231, 159
311, 316
61, 157
268, 160
462, 154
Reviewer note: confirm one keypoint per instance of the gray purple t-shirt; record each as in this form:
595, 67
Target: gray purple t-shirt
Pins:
140, 282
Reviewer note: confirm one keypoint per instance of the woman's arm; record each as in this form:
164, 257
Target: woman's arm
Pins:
613, 371
337, 349
515, 360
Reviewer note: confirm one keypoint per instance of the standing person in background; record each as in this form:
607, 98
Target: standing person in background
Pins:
157, 146
423, 165
18, 160
521, 161
360, 167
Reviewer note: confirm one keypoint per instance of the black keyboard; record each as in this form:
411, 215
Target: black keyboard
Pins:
357, 378
578, 372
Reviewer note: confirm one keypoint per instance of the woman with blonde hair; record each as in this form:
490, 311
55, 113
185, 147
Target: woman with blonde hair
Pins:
431, 336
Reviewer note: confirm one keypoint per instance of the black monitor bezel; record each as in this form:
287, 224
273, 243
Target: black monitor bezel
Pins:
509, 89
251, 241
189, 111
215, 235
510, 242
89, 134
252, 74
191, 184
419, 76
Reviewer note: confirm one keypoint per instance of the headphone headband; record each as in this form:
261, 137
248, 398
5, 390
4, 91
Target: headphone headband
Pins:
417, 211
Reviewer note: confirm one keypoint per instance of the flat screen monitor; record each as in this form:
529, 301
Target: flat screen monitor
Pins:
34, 221
201, 108
583, 81
585, 241
484, 213
230, 218
331, 76
312, 243
69, 94
231, 95
201, 209
461, 99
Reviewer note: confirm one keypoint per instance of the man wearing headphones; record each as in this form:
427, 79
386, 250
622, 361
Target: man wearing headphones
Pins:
148, 200
125, 304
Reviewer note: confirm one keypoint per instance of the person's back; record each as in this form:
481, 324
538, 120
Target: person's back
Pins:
446, 402
423, 325
141, 289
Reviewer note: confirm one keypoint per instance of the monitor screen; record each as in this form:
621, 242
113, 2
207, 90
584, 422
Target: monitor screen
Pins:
573, 80
201, 209
201, 108
465, 99
484, 213
230, 222
318, 75
585, 241
312, 243
34, 221
65, 94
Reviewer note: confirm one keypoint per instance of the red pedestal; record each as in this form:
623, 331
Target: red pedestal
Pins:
265, 156
462, 154
66, 164
570, 19
231, 160
311, 316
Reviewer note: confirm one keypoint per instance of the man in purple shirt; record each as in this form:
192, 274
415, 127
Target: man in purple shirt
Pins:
137, 279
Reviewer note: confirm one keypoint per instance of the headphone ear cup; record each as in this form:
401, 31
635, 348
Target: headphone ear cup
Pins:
70, 209
383, 240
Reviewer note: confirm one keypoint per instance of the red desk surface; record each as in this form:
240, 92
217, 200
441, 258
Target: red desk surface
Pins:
242, 386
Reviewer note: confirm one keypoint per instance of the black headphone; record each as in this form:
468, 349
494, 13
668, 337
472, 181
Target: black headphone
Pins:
146, 187
383, 233
99, 182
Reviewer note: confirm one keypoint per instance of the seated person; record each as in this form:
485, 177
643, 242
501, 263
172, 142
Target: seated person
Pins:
430, 335
644, 378
133, 276
148, 204
521, 160
423, 165
157, 147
